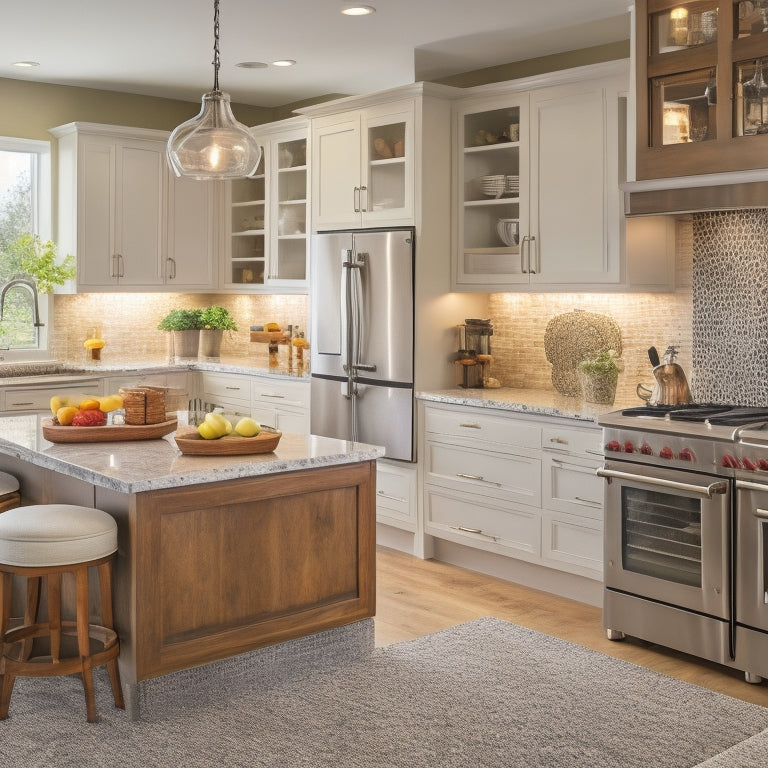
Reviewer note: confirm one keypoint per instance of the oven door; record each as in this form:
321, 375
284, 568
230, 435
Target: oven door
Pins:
667, 536
752, 554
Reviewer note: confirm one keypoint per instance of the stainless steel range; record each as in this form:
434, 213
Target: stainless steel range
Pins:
686, 530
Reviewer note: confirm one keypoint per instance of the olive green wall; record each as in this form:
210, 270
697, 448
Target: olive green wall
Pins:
540, 65
32, 108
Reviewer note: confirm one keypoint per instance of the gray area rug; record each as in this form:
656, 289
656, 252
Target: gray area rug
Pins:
487, 693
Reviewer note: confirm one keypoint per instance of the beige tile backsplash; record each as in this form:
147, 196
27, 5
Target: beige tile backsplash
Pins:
645, 319
128, 322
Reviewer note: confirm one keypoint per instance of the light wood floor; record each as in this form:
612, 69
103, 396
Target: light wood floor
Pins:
417, 597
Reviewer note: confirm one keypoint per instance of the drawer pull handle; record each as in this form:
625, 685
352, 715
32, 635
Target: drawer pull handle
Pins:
588, 502
479, 478
471, 425
476, 531
234, 389
392, 498
558, 440
278, 397
22, 403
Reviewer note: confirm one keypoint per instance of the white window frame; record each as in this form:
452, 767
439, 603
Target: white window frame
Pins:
42, 218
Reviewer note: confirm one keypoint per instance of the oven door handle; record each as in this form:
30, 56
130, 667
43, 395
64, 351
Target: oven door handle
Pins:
703, 490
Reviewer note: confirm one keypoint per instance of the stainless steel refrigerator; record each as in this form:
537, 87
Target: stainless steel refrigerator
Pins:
362, 338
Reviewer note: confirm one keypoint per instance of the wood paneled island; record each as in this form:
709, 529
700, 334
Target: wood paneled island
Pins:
217, 555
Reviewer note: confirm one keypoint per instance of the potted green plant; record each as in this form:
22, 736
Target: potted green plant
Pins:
214, 321
598, 375
184, 326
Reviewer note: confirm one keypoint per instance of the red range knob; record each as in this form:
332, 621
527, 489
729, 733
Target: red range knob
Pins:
731, 461
763, 464
666, 453
614, 445
646, 449
686, 455
747, 464
628, 447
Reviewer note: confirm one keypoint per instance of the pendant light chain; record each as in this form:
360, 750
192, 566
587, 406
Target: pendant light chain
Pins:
216, 59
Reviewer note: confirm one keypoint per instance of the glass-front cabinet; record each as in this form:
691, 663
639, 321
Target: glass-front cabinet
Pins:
493, 168
702, 97
268, 214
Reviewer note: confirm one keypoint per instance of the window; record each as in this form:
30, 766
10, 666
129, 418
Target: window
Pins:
25, 208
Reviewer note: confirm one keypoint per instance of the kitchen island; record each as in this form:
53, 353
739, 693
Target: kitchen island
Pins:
217, 555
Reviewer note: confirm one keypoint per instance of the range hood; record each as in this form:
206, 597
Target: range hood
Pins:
689, 194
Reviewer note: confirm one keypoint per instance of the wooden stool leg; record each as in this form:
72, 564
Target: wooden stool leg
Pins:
30, 613
54, 614
105, 590
83, 641
6, 679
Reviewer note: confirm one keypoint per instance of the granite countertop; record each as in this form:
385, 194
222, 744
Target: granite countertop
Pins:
56, 371
148, 465
539, 402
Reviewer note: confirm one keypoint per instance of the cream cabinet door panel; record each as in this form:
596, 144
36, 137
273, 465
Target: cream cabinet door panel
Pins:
573, 544
191, 256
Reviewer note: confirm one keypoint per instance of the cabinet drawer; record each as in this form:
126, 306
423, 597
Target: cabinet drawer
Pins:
573, 544
462, 519
570, 486
497, 475
472, 427
572, 440
396, 496
39, 398
231, 388
279, 393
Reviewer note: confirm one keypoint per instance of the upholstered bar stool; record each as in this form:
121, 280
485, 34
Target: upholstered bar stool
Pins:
9, 492
44, 542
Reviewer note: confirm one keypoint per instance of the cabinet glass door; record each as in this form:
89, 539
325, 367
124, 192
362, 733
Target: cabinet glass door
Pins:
687, 25
248, 212
683, 108
288, 245
386, 192
493, 195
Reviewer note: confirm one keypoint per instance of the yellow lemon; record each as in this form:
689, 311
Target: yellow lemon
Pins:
207, 431
218, 423
110, 403
247, 427
90, 404
65, 414
58, 402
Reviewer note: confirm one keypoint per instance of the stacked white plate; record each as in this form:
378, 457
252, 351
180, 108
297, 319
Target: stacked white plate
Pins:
512, 186
492, 186
509, 231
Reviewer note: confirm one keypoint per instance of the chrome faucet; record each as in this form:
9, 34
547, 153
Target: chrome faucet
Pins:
29, 283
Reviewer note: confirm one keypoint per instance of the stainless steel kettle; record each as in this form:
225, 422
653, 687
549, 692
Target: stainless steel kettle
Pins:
671, 385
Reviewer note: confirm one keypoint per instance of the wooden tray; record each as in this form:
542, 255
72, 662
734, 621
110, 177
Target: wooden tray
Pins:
113, 433
265, 337
189, 441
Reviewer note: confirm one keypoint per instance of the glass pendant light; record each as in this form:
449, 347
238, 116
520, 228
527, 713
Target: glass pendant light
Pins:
755, 102
213, 145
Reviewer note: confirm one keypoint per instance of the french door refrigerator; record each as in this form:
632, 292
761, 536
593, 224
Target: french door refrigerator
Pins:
362, 338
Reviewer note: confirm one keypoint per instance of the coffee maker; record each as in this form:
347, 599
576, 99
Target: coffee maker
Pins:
473, 360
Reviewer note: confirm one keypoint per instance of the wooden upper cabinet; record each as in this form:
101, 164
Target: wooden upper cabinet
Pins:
702, 104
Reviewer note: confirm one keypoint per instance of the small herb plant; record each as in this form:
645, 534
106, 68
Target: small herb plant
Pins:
217, 319
181, 320
604, 362
32, 256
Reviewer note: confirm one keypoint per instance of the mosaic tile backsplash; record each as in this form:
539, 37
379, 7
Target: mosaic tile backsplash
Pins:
730, 307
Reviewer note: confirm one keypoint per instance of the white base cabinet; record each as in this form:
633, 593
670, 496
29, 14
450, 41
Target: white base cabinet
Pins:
523, 487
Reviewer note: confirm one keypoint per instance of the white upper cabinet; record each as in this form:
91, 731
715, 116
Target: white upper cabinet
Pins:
536, 192
268, 221
130, 224
363, 167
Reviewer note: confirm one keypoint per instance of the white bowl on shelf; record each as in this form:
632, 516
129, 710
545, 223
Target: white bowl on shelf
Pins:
508, 231
492, 186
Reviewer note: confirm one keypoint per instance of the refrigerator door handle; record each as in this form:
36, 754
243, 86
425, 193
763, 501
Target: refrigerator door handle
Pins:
359, 331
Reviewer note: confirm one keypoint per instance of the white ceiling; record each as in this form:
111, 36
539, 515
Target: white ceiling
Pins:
164, 47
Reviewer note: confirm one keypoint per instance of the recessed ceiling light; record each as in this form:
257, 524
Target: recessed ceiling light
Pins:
358, 10
283, 63
26, 64
251, 65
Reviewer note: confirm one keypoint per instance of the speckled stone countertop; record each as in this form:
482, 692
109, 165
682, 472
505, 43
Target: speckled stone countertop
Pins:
14, 374
148, 465
538, 402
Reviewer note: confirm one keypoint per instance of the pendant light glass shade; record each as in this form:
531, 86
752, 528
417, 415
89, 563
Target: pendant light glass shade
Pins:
213, 145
